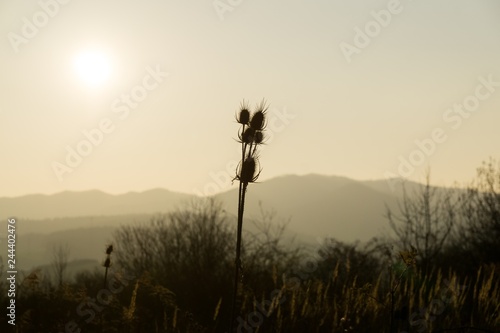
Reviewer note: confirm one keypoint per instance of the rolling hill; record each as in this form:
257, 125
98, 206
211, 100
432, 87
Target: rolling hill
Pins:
313, 206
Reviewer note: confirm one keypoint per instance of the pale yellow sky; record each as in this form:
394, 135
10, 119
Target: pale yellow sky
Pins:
352, 86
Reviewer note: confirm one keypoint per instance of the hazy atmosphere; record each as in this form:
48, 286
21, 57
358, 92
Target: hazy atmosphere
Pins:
250, 166
341, 104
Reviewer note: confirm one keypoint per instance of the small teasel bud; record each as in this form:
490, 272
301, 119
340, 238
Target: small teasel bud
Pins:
248, 168
107, 263
244, 115
248, 135
109, 249
259, 137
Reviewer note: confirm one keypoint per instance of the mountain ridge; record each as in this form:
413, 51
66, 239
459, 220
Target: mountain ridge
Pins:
98, 202
313, 207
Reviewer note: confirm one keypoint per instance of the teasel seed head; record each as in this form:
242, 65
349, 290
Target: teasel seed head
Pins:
248, 173
244, 115
259, 137
248, 136
109, 249
258, 121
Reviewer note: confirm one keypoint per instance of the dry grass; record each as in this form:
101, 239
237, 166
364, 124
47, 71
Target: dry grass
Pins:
421, 304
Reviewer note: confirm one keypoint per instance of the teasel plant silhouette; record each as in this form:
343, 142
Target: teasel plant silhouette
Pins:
107, 262
251, 136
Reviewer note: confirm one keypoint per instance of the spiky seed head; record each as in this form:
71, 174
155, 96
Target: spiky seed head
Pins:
259, 137
258, 121
248, 135
262, 106
109, 249
244, 115
248, 168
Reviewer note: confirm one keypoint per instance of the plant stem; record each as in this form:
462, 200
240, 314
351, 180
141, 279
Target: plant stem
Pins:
105, 277
241, 207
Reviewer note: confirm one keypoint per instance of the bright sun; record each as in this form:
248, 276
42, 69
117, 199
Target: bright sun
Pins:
93, 67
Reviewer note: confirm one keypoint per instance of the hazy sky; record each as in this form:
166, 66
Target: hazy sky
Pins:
352, 85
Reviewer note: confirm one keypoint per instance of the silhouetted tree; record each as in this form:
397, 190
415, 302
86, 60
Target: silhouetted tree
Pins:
479, 234
424, 221
347, 262
266, 252
187, 251
60, 255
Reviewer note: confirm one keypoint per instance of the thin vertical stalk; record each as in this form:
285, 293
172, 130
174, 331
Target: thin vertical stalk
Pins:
107, 263
237, 262
245, 175
391, 282
105, 277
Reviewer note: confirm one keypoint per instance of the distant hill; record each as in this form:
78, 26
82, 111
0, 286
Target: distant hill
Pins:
315, 206
84, 243
45, 272
90, 203
321, 206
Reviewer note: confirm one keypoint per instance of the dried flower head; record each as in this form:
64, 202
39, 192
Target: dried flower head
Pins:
248, 135
258, 121
259, 137
109, 249
244, 115
248, 170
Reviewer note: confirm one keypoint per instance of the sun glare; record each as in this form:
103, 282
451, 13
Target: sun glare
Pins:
93, 67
